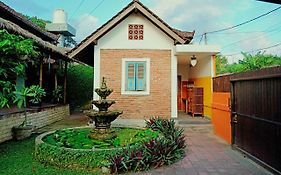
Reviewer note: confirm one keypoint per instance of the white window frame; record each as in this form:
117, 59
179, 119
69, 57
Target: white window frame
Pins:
123, 81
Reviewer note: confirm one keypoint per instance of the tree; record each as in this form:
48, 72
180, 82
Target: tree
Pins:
39, 22
249, 62
221, 63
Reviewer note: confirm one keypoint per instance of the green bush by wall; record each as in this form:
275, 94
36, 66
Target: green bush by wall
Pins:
79, 85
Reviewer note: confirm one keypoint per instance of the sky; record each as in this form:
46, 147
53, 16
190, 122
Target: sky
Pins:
188, 15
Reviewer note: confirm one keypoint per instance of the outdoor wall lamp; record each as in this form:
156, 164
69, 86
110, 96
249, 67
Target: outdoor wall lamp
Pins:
193, 61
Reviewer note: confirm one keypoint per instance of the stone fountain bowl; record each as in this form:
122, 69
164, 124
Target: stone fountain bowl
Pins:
103, 93
102, 119
103, 105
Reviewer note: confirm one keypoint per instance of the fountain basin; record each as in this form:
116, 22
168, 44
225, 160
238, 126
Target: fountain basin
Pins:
102, 119
103, 105
103, 92
73, 149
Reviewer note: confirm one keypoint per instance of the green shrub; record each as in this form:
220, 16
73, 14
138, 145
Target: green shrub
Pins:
79, 85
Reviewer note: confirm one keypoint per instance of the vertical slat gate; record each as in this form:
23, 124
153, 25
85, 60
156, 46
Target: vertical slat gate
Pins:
256, 117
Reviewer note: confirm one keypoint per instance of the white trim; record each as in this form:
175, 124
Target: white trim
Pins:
174, 84
212, 66
147, 91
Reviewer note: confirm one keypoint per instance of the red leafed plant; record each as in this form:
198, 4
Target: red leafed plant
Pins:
164, 150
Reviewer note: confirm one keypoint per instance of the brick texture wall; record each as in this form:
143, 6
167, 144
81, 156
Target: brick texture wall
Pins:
158, 102
38, 119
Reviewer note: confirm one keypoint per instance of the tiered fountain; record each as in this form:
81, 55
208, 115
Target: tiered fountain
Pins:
90, 147
103, 117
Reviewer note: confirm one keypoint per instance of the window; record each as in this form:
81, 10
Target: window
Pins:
135, 78
135, 32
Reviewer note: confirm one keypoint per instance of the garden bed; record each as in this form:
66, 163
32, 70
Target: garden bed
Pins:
71, 148
135, 150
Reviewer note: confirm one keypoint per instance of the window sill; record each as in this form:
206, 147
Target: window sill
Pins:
134, 93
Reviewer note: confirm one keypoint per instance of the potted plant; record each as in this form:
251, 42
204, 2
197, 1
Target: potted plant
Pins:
57, 94
37, 93
34, 93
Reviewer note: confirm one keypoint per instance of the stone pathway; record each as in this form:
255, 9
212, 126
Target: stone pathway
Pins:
206, 153
209, 155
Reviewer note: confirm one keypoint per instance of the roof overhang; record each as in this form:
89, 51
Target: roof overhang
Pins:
61, 28
272, 1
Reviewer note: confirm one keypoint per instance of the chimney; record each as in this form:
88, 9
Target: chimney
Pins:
60, 26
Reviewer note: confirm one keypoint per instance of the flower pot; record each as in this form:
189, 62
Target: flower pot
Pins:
35, 104
22, 132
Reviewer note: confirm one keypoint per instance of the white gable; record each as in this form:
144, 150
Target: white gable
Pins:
117, 38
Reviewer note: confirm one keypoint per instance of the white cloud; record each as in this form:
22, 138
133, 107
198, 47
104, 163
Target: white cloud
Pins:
85, 25
189, 14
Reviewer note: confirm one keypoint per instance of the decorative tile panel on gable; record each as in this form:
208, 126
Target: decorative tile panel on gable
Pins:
135, 32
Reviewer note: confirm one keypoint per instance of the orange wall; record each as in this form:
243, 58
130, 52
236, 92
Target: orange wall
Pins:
221, 115
206, 83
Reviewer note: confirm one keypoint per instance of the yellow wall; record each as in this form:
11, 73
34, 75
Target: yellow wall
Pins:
206, 83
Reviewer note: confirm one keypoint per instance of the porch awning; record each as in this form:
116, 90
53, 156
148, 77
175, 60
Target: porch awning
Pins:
193, 49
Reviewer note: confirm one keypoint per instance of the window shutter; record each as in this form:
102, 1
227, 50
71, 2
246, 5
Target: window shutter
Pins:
130, 76
141, 76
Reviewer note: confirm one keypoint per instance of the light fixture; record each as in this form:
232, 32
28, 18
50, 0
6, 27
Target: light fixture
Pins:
193, 61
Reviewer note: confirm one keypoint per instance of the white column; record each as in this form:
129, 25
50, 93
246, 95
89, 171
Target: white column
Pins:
174, 70
96, 71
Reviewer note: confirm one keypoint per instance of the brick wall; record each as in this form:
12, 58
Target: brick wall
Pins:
158, 102
38, 119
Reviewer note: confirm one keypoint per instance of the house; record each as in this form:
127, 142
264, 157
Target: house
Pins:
145, 61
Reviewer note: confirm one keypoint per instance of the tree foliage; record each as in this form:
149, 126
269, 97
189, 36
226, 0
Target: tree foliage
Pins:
39, 22
249, 62
15, 54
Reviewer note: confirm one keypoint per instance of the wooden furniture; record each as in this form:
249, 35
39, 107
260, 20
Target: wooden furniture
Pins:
195, 104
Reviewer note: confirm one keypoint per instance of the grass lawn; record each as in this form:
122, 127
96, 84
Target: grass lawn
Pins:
16, 158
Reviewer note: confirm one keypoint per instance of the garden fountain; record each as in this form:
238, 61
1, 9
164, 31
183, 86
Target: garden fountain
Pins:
102, 117
95, 147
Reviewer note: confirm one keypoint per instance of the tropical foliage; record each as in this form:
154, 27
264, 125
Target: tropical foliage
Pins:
249, 62
57, 94
16, 53
154, 153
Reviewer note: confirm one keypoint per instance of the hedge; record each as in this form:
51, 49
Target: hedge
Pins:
79, 85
